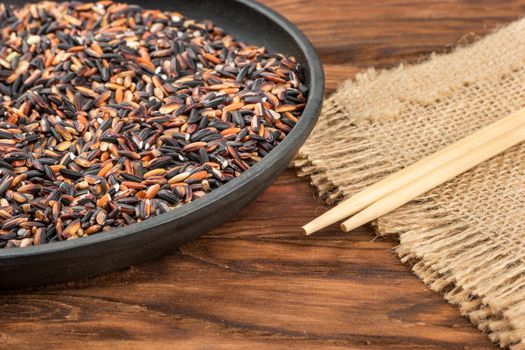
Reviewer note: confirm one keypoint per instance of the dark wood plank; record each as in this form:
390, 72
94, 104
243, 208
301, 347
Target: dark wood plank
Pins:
383, 32
252, 282
255, 282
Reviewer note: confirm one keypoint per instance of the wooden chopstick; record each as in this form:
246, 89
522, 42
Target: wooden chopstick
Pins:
414, 171
435, 178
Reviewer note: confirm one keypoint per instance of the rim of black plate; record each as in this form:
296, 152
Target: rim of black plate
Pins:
312, 108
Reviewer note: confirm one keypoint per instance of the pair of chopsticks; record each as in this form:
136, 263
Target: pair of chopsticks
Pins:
422, 176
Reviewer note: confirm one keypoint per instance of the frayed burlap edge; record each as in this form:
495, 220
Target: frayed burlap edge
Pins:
496, 307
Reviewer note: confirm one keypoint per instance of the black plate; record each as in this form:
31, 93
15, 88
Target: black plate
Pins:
119, 248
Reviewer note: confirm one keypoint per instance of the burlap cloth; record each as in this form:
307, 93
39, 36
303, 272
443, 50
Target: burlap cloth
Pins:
465, 239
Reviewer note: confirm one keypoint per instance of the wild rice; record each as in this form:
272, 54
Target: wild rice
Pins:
111, 114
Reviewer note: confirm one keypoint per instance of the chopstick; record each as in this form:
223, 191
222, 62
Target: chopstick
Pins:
435, 178
395, 181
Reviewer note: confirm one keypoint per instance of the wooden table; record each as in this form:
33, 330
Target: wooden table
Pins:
255, 282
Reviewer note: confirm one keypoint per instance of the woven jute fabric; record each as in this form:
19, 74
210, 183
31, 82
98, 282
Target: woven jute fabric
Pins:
466, 238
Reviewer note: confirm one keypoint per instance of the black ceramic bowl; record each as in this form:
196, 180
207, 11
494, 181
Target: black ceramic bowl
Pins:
119, 248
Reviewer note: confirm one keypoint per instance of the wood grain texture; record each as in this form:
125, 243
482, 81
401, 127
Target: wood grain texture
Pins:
255, 282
